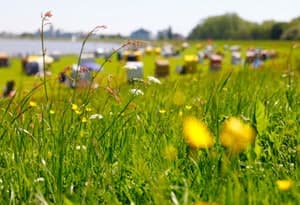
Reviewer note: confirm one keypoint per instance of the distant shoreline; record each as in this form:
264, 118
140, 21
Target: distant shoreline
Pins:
79, 39
32, 46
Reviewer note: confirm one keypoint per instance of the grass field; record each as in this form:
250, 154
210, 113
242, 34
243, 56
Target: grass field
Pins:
109, 146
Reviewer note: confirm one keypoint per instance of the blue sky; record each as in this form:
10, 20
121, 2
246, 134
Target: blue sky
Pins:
121, 16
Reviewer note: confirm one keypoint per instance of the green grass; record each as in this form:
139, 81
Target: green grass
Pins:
121, 159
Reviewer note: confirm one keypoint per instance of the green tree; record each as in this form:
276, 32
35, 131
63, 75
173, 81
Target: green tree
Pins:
227, 26
292, 33
277, 30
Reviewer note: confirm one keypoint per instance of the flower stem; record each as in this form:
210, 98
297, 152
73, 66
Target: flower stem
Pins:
44, 60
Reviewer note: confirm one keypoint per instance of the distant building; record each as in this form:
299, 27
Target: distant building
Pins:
177, 36
162, 35
167, 34
57, 33
141, 34
50, 32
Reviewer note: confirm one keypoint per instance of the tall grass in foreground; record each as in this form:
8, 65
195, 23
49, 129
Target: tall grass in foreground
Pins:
137, 154
119, 147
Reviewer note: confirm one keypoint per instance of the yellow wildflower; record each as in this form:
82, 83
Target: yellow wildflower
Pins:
74, 107
236, 135
32, 104
196, 133
88, 109
162, 111
188, 107
49, 154
84, 120
180, 113
78, 112
52, 112
284, 184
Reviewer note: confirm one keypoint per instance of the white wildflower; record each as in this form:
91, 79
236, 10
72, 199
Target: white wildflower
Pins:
72, 188
174, 198
78, 147
40, 179
152, 79
43, 162
96, 116
136, 92
138, 80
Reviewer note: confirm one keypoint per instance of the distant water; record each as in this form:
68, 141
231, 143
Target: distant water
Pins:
17, 47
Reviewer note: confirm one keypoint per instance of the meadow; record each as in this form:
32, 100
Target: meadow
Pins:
163, 145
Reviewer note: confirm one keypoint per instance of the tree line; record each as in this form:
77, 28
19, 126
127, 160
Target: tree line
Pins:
231, 26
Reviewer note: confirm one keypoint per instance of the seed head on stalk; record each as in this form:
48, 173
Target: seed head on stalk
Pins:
45, 21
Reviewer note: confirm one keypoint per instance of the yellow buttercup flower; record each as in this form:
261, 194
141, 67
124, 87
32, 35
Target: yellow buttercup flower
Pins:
78, 112
49, 154
52, 112
162, 111
32, 104
180, 113
188, 107
196, 133
236, 135
74, 107
84, 120
88, 109
284, 185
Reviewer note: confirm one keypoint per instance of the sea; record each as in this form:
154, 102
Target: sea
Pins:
23, 47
